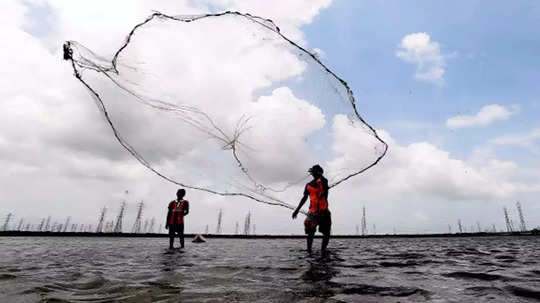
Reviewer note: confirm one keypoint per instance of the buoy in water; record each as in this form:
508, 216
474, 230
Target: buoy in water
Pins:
198, 239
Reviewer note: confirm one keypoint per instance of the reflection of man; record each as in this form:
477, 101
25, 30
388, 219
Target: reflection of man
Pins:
318, 214
175, 217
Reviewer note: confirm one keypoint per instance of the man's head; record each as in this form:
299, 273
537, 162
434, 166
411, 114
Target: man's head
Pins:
180, 193
316, 170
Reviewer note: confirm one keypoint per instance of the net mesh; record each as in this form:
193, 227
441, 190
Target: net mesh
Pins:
226, 104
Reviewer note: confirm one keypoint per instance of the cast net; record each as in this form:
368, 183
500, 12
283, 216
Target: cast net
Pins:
226, 104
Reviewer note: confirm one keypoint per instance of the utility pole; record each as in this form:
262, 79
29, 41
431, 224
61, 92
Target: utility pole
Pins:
247, 224
19, 226
145, 228
363, 222
6, 222
99, 228
48, 223
507, 220
41, 225
120, 218
138, 220
152, 223
522, 225
66, 224
218, 225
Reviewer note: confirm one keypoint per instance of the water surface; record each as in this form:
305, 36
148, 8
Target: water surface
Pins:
487, 269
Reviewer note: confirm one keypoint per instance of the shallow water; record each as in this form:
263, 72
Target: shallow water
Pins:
495, 269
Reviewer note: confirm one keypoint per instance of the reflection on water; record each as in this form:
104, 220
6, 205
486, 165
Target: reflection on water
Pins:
366, 270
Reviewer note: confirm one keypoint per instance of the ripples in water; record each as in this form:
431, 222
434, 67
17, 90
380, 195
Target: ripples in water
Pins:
355, 270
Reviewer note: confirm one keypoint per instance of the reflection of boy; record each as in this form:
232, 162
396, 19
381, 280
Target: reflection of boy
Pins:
319, 214
178, 209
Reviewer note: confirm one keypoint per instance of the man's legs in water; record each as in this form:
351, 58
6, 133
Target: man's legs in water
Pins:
325, 240
325, 227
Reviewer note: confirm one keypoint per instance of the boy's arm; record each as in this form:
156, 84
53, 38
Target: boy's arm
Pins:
168, 217
186, 208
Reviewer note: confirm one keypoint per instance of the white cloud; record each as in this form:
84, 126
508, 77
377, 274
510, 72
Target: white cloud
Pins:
487, 115
60, 158
289, 15
529, 141
422, 169
319, 53
418, 49
65, 146
12, 13
423, 178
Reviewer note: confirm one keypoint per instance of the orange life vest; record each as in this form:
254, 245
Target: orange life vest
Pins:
177, 212
316, 196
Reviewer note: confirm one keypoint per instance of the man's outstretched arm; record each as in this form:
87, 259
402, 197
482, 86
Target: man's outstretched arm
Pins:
325, 188
302, 201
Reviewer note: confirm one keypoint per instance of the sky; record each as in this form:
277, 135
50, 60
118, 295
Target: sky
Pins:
451, 87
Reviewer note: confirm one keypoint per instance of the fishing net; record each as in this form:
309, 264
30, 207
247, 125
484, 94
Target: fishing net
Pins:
226, 104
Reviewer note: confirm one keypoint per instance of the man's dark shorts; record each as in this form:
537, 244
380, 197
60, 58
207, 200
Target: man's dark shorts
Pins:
176, 228
322, 218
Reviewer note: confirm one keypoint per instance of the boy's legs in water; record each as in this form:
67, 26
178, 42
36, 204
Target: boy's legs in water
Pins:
171, 236
310, 236
181, 235
173, 230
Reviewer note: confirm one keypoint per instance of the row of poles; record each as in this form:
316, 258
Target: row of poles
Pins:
116, 226
510, 225
113, 226
249, 229
362, 229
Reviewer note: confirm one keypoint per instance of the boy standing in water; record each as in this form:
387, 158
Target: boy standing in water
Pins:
178, 209
318, 214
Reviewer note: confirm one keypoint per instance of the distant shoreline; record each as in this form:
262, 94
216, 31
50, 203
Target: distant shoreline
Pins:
232, 236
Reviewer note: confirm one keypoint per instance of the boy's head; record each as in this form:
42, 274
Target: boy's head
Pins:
316, 170
180, 193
